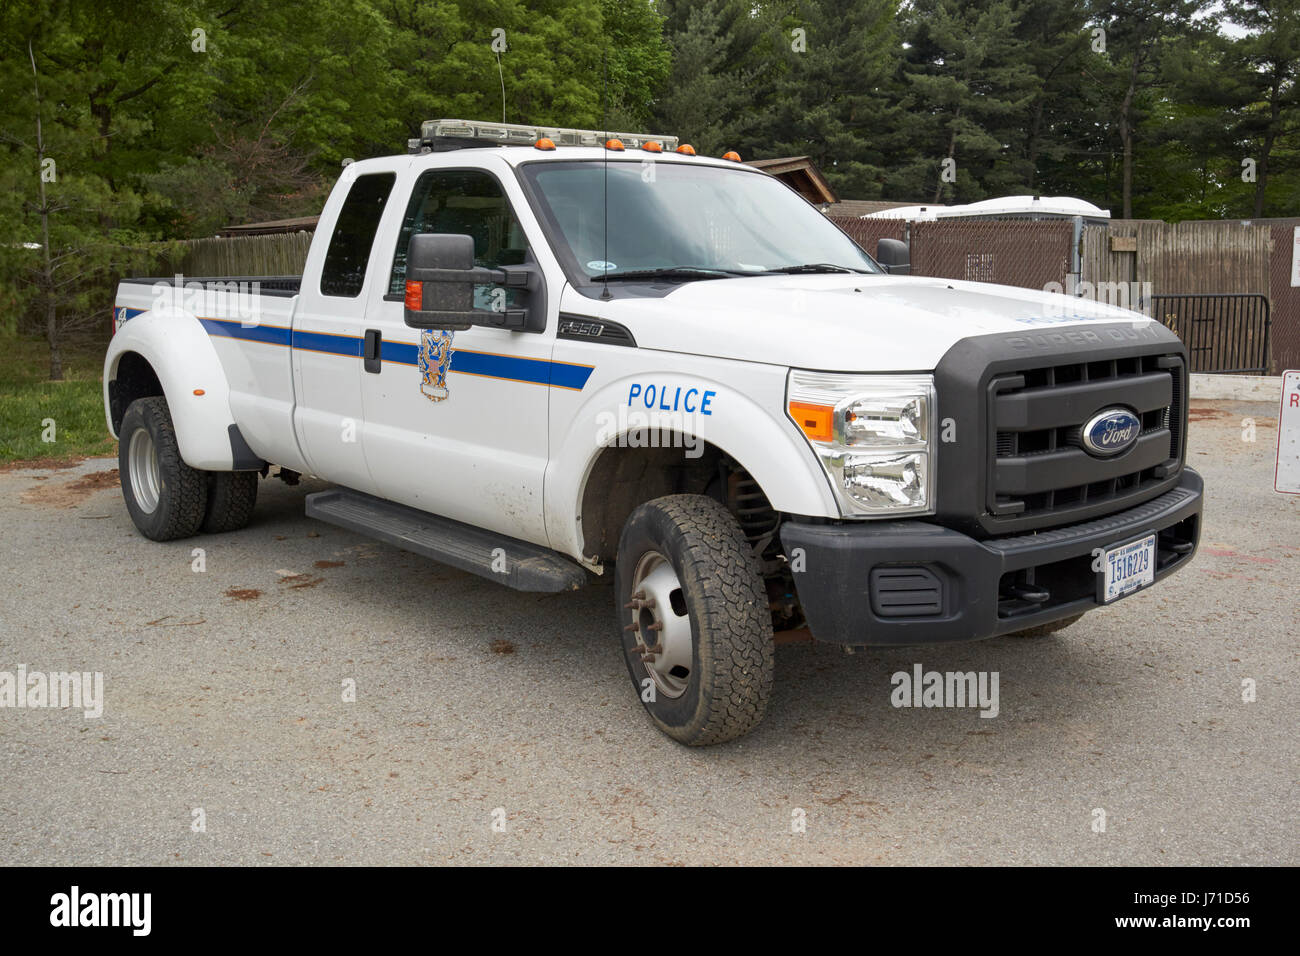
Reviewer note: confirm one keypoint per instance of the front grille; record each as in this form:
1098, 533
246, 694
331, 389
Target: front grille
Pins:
1039, 465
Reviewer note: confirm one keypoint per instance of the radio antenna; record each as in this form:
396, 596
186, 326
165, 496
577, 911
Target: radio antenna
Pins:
502, 74
604, 122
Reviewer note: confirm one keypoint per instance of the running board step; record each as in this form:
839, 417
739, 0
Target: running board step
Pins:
516, 564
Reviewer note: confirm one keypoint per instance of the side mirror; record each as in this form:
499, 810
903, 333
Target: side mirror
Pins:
894, 256
440, 281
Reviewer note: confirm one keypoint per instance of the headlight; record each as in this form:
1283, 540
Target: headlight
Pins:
872, 435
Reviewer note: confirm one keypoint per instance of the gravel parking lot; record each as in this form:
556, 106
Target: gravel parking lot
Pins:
224, 693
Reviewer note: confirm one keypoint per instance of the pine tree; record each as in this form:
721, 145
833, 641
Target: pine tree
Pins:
970, 89
1138, 35
1264, 67
833, 70
720, 59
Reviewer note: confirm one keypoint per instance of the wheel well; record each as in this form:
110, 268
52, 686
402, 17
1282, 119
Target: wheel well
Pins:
135, 379
623, 478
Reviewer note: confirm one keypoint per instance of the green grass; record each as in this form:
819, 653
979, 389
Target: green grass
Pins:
28, 398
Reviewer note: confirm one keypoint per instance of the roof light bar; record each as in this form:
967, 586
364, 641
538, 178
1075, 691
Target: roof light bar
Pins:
446, 134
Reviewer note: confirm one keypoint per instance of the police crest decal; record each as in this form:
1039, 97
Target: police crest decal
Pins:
435, 363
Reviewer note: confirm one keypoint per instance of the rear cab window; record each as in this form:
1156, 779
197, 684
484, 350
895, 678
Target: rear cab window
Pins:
348, 254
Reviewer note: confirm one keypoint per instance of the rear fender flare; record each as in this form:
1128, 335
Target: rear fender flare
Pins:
180, 351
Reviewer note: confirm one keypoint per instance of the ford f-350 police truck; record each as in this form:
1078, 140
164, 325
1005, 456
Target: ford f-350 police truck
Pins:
548, 355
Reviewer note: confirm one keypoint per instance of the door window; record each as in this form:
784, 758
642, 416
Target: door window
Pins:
462, 202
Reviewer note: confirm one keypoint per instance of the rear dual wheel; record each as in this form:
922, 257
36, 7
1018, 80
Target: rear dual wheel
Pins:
166, 498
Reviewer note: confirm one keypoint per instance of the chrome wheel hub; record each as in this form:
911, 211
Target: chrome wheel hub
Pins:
146, 477
660, 624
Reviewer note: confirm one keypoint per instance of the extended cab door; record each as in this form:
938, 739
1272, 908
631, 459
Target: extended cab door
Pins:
456, 422
326, 339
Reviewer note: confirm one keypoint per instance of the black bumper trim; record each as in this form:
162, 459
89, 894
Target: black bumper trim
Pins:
836, 562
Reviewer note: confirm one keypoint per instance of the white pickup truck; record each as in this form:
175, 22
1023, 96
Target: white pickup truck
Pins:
543, 356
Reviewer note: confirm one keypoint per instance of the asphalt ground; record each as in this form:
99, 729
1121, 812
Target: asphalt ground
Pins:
491, 726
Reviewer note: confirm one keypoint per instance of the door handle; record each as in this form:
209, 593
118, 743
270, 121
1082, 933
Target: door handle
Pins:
371, 355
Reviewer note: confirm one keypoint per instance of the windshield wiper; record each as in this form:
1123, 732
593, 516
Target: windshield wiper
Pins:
811, 268
670, 272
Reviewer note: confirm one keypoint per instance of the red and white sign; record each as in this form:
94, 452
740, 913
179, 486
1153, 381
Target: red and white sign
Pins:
1287, 477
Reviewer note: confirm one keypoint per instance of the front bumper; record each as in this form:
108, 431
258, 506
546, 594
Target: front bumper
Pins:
912, 582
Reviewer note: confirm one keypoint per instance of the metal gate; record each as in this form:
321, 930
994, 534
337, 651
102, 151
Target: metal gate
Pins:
1223, 332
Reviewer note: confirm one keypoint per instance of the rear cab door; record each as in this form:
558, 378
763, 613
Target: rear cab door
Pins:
327, 342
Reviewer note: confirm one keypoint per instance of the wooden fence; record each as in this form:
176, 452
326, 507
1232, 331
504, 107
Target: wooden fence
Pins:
1179, 259
1124, 263
274, 255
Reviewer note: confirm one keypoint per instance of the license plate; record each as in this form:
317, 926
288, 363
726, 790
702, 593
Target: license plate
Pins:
1127, 568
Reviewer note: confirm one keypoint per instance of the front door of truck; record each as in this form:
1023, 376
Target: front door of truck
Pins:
456, 422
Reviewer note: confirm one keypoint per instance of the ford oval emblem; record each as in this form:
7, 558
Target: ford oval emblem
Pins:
1111, 431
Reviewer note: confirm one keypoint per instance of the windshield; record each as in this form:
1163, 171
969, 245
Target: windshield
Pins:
684, 221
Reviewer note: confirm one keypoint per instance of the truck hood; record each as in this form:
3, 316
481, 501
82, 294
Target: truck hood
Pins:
838, 322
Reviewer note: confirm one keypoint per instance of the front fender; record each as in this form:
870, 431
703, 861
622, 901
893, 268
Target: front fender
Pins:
746, 423
179, 350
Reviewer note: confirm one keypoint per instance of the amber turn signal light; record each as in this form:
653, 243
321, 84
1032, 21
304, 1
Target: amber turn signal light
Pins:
814, 420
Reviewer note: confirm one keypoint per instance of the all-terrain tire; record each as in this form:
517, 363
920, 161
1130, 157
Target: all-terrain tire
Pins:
231, 497
173, 500
719, 587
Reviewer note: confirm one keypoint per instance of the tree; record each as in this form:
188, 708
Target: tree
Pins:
1264, 67
969, 85
830, 84
711, 95
1053, 42
1138, 33
56, 205
637, 59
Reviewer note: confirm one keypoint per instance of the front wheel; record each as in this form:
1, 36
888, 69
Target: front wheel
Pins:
165, 497
696, 627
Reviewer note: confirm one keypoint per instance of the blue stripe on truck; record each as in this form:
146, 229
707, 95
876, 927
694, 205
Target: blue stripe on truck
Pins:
268, 334
348, 345
511, 368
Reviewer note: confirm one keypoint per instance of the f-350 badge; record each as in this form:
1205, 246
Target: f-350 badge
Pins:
435, 363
